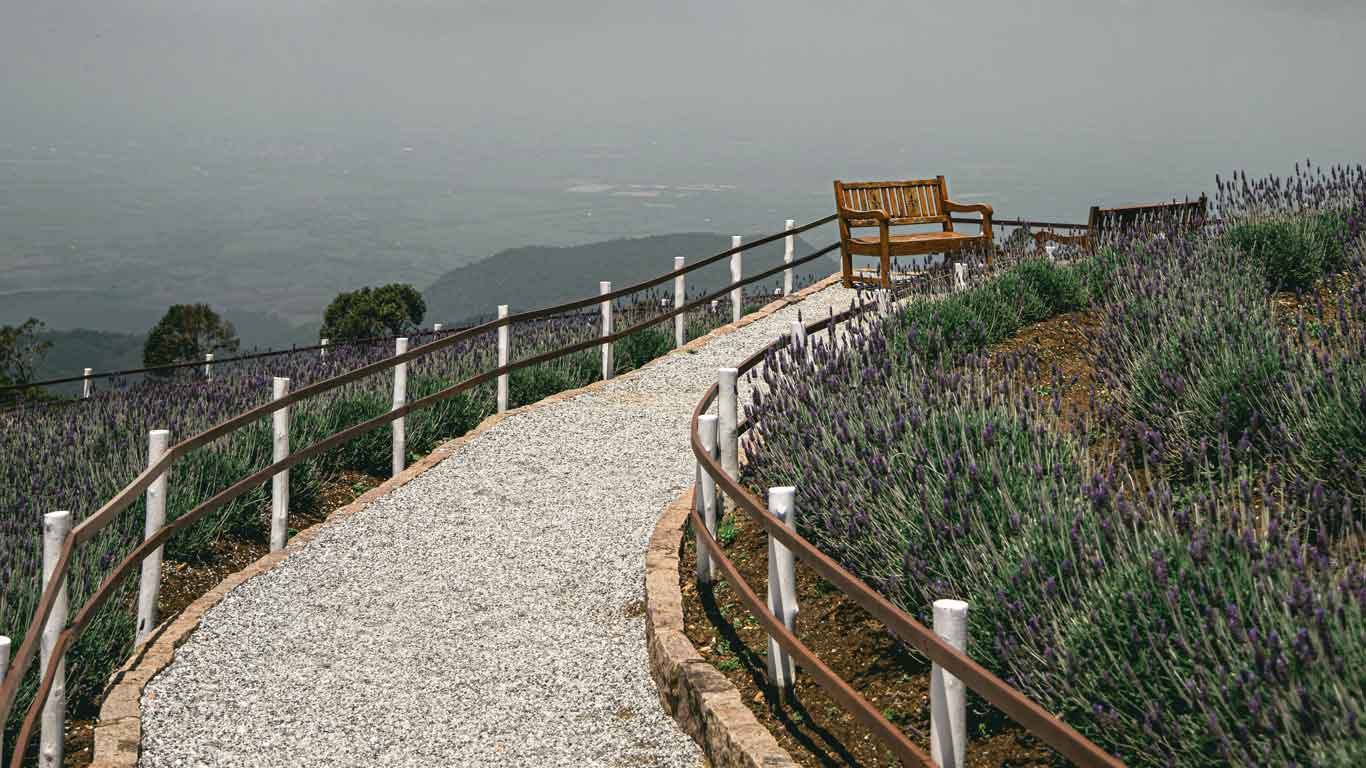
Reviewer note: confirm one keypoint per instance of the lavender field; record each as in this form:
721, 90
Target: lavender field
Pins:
1161, 536
64, 455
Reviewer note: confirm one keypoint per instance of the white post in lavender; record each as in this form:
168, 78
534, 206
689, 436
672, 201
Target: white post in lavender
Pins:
948, 698
782, 586
728, 415
322, 352
604, 288
208, 366
149, 585
706, 498
279, 484
504, 349
4, 668
87, 386
400, 399
737, 295
680, 333
788, 250
56, 525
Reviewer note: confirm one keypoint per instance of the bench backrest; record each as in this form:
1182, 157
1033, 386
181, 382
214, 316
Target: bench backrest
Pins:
1182, 215
918, 201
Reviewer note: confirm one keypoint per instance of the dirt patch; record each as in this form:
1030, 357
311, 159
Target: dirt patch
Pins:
810, 724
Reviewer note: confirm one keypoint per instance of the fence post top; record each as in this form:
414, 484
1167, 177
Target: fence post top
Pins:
706, 418
729, 371
790, 224
502, 310
950, 607
734, 241
679, 261
60, 517
401, 344
605, 286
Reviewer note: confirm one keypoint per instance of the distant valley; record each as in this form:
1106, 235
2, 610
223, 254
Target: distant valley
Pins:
105, 331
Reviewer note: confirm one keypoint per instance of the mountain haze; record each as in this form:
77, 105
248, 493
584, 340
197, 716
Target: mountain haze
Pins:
539, 276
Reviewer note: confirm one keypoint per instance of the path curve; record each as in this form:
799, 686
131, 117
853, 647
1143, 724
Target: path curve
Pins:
488, 612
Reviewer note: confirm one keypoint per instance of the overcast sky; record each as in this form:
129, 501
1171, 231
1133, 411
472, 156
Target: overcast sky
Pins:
1050, 104
825, 71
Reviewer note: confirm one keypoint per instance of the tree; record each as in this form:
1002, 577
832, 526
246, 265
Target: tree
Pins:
20, 352
188, 332
393, 309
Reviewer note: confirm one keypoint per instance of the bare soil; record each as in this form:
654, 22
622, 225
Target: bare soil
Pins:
810, 724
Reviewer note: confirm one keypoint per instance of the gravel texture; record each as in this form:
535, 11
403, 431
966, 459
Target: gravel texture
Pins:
486, 613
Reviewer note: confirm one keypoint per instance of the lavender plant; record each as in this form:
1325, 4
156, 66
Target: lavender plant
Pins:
77, 455
1208, 611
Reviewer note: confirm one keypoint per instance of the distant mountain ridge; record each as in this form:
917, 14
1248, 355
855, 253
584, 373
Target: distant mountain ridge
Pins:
531, 277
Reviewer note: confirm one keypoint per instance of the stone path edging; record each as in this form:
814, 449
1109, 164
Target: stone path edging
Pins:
706, 705
118, 731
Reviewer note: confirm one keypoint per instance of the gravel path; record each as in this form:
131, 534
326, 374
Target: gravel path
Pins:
486, 613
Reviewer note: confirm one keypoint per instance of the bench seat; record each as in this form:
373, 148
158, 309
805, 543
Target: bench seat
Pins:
881, 205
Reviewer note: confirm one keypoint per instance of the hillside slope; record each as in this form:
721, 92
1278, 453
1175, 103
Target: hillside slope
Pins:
538, 276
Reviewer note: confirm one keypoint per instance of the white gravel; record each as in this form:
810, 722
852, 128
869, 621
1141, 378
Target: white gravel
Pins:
486, 613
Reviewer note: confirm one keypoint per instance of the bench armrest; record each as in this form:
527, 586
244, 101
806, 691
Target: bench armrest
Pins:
875, 213
981, 208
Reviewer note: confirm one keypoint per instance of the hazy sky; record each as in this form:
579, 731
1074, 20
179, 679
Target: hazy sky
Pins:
1043, 108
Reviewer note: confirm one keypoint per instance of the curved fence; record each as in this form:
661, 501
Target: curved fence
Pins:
776, 617
58, 638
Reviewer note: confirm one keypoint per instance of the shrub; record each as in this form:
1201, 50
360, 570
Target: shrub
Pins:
641, 347
965, 322
1289, 250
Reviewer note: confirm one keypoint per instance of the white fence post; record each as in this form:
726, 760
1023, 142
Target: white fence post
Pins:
799, 340
208, 366
948, 699
706, 498
436, 327
728, 415
150, 584
400, 398
504, 349
604, 288
680, 293
737, 295
782, 586
279, 484
788, 250
322, 353
4, 669
88, 385
960, 276
56, 525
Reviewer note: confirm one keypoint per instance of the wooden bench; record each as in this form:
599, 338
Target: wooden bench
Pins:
886, 204
1186, 214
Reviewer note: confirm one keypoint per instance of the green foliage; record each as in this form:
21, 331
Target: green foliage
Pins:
725, 531
188, 332
393, 309
21, 351
1296, 250
969, 321
640, 348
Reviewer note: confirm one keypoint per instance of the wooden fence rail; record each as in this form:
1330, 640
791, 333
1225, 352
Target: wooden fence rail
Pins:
52, 602
1028, 714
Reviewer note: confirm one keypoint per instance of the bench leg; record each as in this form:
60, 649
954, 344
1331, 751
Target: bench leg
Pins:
847, 267
886, 270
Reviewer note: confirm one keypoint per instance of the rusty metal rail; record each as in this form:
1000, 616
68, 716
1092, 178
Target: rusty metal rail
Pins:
106, 514
1027, 713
